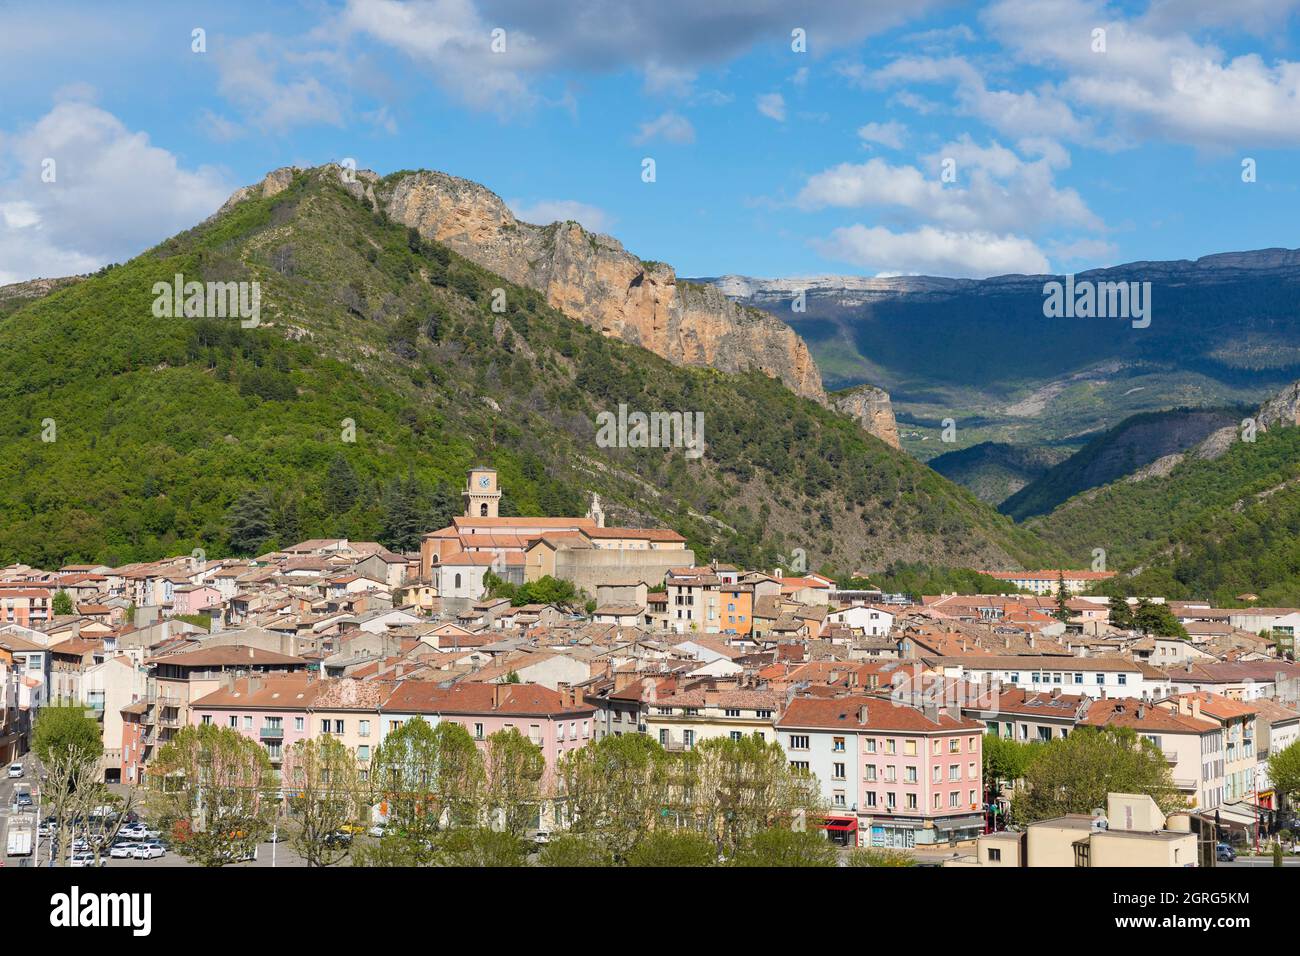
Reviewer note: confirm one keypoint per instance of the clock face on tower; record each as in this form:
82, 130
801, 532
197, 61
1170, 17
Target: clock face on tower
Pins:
484, 481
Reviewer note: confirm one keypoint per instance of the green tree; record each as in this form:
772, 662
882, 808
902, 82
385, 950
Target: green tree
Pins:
781, 847
1121, 615
248, 523
870, 856
665, 846
479, 847
342, 487
1004, 760
571, 850
1284, 772
65, 729
614, 789
514, 766
1157, 619
322, 781
213, 788
1062, 596
62, 603
1074, 774
424, 779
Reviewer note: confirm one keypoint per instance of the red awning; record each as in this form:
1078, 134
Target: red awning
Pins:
839, 823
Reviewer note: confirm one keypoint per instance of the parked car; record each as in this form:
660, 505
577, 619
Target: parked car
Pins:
15, 770
22, 799
1225, 853
122, 850
338, 838
48, 826
352, 829
542, 837
148, 851
134, 831
378, 830
84, 858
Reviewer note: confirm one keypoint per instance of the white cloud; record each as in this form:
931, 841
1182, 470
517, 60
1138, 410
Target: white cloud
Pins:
928, 250
670, 127
772, 105
995, 189
886, 134
114, 195
1154, 82
546, 211
249, 76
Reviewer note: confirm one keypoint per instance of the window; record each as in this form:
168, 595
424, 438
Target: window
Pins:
911, 801
890, 773
954, 745
273, 749
909, 748
891, 800
324, 726
338, 727
1122, 679
837, 771
838, 798
871, 798
954, 771
869, 745
234, 722
970, 771
663, 738
688, 738
799, 765
737, 735
732, 712
936, 773
973, 799
363, 752
870, 775
891, 746
837, 744
1101, 678
995, 855
458, 580
248, 722
909, 774
973, 744
364, 730
207, 719
763, 714
798, 742
954, 798
298, 723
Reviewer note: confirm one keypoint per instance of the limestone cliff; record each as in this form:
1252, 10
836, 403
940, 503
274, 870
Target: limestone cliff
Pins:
869, 405
592, 278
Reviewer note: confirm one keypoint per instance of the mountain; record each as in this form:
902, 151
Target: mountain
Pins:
1217, 520
870, 406
1224, 330
1123, 450
384, 365
995, 470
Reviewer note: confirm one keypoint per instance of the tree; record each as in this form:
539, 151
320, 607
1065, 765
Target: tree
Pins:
1121, 615
614, 789
1004, 760
781, 847
324, 790
735, 789
481, 846
1157, 619
669, 847
1284, 772
68, 744
342, 487
248, 523
1074, 774
424, 778
1062, 596
62, 603
870, 856
213, 787
571, 850
514, 766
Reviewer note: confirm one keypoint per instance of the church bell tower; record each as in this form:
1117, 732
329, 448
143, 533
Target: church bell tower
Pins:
481, 495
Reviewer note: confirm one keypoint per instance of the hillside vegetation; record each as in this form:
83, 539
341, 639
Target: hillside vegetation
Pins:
173, 433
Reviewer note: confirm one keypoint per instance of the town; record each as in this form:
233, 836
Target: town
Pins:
563, 659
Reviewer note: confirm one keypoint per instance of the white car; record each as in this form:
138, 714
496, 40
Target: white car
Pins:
378, 830
543, 837
83, 859
15, 770
148, 851
134, 831
122, 851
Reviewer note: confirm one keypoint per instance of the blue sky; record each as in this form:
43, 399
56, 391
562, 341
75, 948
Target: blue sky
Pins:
1065, 152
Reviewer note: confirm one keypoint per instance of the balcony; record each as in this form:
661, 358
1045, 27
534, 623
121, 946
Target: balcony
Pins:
272, 733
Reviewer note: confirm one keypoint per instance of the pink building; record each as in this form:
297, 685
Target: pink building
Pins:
193, 598
896, 775
274, 711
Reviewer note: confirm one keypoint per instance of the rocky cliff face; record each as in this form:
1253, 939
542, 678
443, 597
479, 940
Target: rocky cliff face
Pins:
1282, 410
871, 408
595, 280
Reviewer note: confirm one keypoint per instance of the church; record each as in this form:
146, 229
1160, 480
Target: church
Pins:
455, 559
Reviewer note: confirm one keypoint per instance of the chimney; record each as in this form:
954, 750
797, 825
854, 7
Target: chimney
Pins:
651, 689
1031, 640
499, 695
862, 714
254, 684
1196, 707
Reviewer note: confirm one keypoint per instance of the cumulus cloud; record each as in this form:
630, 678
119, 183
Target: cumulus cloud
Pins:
667, 41
885, 134
114, 194
546, 211
1153, 80
670, 127
964, 254
995, 189
772, 105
